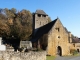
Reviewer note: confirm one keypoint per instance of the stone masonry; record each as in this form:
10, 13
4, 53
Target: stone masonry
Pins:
9, 55
57, 40
58, 37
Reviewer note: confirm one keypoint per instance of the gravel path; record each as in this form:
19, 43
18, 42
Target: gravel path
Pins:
77, 58
68, 58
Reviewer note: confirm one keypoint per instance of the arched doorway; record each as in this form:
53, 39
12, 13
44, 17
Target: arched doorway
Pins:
77, 50
59, 51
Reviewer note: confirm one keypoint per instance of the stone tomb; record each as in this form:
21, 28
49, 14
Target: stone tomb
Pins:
2, 47
26, 44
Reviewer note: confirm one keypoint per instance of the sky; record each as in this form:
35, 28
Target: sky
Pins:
68, 11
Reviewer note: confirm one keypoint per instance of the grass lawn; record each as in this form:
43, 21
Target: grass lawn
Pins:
50, 57
77, 54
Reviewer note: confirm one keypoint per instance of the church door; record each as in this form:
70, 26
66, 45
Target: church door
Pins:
59, 51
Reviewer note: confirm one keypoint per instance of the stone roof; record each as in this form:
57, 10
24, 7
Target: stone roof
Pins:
40, 12
43, 30
75, 40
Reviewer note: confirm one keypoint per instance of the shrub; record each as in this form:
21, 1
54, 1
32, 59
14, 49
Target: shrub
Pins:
20, 49
73, 51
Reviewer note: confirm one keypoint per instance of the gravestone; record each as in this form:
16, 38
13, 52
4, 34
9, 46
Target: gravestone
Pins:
26, 44
0, 41
2, 47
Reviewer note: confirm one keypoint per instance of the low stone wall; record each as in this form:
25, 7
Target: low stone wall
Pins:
9, 55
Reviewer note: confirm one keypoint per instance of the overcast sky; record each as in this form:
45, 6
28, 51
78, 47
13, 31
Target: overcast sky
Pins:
68, 11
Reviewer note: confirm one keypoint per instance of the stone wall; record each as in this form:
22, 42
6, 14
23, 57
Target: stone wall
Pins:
77, 46
9, 55
39, 21
58, 40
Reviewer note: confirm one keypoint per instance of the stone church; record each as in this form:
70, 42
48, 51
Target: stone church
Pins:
50, 36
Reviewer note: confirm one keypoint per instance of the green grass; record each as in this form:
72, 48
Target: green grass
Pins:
77, 54
50, 57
